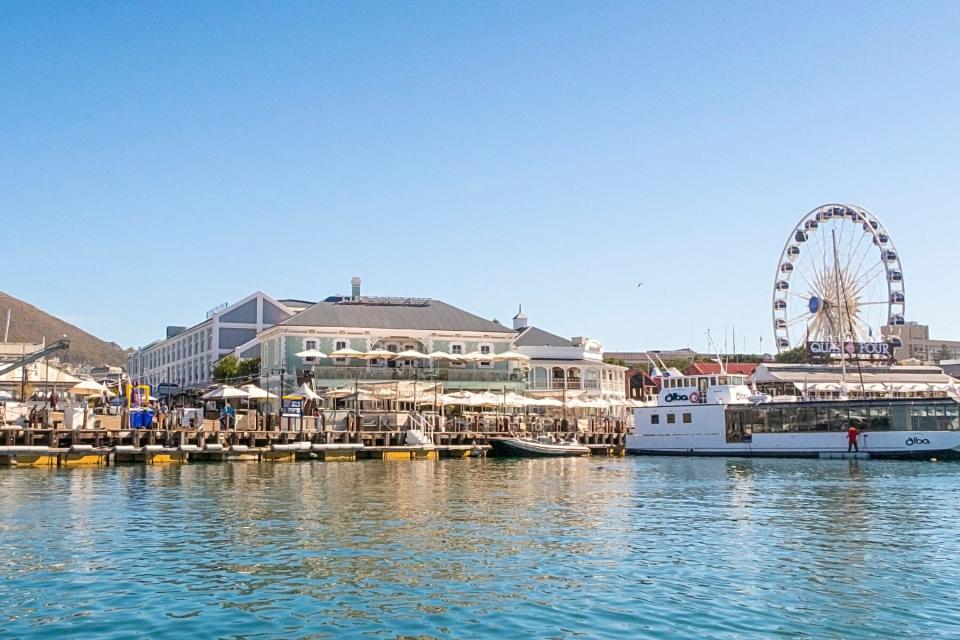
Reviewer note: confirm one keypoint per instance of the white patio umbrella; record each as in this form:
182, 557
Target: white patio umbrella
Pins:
512, 399
88, 388
311, 353
346, 353
476, 356
256, 393
225, 392
511, 356
462, 398
443, 355
374, 354
549, 402
411, 354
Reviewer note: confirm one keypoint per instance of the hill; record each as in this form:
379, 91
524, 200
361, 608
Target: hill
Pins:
29, 324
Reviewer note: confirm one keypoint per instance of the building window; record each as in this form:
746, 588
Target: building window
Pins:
687, 418
485, 349
654, 418
340, 344
307, 346
671, 418
456, 348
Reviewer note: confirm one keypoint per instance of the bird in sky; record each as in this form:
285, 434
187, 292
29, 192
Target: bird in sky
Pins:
640, 284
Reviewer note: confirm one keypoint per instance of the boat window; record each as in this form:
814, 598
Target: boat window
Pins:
836, 417
878, 419
724, 380
654, 418
687, 418
671, 418
713, 381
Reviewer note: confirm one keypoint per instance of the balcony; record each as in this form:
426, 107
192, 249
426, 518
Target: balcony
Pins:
346, 373
543, 384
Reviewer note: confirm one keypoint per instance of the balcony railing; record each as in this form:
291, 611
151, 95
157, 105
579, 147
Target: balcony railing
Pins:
560, 383
413, 373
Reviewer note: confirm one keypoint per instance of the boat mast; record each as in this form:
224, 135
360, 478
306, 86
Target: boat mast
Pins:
710, 342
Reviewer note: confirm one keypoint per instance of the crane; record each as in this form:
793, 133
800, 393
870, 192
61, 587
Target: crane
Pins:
60, 345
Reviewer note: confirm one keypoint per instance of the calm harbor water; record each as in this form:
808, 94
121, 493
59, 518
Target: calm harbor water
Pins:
650, 547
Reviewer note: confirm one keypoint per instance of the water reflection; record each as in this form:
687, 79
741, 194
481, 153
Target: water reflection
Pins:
614, 548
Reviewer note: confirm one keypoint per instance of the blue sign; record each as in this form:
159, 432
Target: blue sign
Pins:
291, 407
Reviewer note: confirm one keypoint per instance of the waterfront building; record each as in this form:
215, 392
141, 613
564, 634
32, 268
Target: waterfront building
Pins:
560, 366
640, 386
556, 365
912, 340
186, 356
40, 375
869, 381
277, 331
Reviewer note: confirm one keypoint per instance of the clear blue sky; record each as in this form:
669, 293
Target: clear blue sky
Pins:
157, 159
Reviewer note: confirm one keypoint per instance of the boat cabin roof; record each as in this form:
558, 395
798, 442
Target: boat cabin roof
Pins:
723, 380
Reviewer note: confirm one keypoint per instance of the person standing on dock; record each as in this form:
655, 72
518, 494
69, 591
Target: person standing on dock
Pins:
852, 434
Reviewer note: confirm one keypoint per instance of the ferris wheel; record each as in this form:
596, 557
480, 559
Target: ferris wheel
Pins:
838, 279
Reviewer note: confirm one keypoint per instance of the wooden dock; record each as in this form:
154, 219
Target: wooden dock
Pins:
59, 447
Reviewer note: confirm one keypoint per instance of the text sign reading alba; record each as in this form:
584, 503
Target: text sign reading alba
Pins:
850, 348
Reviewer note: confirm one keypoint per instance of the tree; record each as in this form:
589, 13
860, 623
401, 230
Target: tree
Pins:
226, 369
230, 369
943, 353
249, 368
796, 355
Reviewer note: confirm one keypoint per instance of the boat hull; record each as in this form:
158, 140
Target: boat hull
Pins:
519, 448
938, 454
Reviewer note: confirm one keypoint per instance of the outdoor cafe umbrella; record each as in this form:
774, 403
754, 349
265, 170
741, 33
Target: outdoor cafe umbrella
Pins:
443, 355
88, 388
225, 392
346, 352
508, 356
311, 353
256, 393
411, 354
375, 354
549, 402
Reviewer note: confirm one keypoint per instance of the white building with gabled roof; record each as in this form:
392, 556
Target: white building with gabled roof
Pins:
186, 356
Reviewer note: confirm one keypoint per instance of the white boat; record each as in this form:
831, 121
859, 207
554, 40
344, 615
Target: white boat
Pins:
718, 415
545, 446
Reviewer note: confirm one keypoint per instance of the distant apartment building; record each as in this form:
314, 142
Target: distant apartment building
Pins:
186, 356
912, 340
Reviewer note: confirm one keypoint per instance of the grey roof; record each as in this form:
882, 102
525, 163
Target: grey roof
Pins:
534, 337
378, 313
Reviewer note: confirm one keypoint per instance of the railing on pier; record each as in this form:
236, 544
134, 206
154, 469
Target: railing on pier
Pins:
346, 373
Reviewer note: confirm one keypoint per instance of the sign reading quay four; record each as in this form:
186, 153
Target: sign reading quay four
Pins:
850, 348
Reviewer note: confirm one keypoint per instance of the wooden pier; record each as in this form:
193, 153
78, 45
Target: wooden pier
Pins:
52, 447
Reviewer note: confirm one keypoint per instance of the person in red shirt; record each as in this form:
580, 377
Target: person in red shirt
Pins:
852, 434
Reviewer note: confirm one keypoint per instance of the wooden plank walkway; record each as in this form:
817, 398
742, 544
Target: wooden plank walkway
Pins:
59, 447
